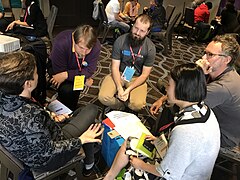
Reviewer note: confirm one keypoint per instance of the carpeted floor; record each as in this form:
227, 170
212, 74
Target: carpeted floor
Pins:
182, 52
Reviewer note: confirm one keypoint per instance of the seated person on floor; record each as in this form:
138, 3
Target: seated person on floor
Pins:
201, 18
133, 56
191, 141
74, 55
115, 17
33, 23
158, 14
131, 9
42, 140
3, 22
229, 19
223, 90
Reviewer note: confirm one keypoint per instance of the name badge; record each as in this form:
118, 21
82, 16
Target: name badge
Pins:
78, 82
128, 73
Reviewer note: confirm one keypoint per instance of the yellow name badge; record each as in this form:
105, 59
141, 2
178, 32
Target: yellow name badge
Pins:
78, 82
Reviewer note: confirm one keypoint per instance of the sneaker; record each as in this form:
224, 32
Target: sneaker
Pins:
88, 172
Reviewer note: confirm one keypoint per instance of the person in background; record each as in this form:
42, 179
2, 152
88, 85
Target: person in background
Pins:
42, 140
196, 3
133, 56
201, 18
191, 141
223, 90
229, 19
33, 23
3, 22
74, 55
115, 17
131, 9
158, 14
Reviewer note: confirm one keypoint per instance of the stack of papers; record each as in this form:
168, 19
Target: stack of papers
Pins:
127, 124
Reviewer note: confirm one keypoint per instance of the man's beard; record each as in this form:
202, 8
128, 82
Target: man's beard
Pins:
135, 40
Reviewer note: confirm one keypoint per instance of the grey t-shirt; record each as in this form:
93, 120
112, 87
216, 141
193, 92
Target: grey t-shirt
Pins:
121, 51
223, 96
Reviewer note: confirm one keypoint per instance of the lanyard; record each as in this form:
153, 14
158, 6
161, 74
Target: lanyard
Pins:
26, 14
133, 55
77, 59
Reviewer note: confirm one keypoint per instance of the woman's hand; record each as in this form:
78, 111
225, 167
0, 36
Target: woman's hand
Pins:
150, 137
89, 135
136, 162
59, 118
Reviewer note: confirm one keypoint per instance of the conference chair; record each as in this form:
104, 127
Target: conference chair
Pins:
11, 166
103, 22
165, 36
169, 12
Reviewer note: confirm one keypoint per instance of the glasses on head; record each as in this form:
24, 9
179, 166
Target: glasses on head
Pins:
211, 55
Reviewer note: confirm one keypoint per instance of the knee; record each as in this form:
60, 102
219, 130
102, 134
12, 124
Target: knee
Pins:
92, 109
103, 98
137, 105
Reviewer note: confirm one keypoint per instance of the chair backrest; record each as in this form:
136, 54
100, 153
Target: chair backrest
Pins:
51, 21
189, 16
7, 9
172, 24
6, 4
102, 14
169, 12
9, 164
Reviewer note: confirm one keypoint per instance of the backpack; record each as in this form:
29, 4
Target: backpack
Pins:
95, 13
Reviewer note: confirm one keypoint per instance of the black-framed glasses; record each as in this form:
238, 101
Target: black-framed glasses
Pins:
210, 55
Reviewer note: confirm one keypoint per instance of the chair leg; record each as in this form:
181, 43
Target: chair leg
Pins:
78, 171
105, 32
165, 44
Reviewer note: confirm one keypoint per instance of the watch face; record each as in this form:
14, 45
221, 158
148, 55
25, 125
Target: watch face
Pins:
31, 38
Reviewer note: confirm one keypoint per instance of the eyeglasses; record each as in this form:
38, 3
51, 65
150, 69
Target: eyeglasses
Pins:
211, 55
83, 48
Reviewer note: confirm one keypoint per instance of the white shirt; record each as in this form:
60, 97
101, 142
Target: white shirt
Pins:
112, 7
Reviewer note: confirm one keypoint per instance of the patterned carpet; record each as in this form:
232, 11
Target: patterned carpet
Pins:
182, 52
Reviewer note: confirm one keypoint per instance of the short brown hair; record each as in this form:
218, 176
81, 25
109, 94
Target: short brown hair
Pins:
229, 46
87, 33
144, 18
16, 69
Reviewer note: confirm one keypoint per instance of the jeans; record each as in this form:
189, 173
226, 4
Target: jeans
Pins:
122, 25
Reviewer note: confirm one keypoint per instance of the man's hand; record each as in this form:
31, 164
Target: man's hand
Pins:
205, 65
155, 106
136, 162
57, 79
125, 95
120, 92
89, 135
89, 82
10, 26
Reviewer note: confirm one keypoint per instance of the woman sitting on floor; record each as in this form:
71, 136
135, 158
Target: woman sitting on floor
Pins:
33, 23
194, 141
